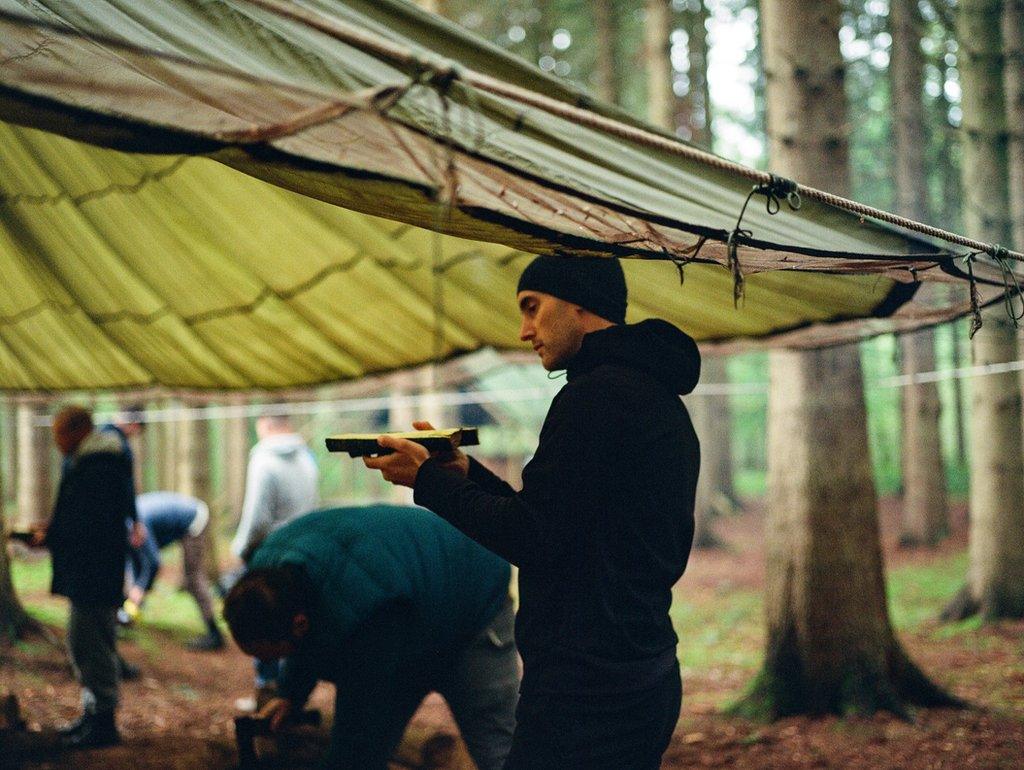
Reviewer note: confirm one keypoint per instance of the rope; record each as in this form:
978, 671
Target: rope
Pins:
497, 396
1011, 286
398, 54
775, 190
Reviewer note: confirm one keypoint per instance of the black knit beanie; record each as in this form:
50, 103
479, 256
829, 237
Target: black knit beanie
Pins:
594, 283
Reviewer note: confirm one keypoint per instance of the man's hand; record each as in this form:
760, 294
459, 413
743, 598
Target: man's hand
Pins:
38, 537
277, 711
402, 466
138, 535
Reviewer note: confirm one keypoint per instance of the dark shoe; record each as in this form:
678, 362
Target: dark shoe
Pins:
96, 731
206, 643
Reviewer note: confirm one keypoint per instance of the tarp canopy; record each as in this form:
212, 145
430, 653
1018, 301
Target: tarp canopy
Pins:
219, 195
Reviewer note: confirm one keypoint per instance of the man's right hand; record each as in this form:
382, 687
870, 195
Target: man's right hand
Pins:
277, 711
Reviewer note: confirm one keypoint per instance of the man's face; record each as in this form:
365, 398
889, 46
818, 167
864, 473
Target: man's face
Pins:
552, 325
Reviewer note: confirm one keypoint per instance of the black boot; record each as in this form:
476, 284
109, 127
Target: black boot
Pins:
208, 642
127, 671
95, 731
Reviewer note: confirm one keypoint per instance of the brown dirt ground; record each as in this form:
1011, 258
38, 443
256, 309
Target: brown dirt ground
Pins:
178, 714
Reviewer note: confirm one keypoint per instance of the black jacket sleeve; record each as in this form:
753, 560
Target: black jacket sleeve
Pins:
569, 468
502, 524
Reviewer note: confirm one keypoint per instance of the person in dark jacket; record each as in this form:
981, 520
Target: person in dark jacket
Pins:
603, 525
172, 518
87, 539
389, 603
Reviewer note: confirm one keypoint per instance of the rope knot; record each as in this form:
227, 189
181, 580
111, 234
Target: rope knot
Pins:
778, 189
442, 78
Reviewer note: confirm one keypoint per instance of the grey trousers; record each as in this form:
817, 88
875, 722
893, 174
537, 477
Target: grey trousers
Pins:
92, 636
193, 548
482, 689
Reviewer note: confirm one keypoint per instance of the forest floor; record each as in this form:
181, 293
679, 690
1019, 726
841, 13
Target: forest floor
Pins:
179, 713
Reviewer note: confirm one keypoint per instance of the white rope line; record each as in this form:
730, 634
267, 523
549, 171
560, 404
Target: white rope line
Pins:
458, 398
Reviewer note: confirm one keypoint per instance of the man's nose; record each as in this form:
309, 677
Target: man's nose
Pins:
525, 330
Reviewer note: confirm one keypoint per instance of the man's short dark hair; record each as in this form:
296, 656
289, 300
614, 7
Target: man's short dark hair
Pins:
263, 603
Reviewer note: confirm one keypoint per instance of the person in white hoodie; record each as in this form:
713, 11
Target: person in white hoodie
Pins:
281, 484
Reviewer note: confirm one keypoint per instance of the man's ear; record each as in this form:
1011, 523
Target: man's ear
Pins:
300, 625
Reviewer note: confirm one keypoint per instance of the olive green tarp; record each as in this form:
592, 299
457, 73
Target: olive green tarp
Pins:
212, 195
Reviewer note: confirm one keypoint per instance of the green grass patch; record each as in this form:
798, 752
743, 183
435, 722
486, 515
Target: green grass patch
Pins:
724, 633
31, 576
918, 593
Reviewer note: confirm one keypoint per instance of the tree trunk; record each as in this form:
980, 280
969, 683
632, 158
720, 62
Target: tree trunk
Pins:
995, 581
8, 433
14, 621
167, 462
236, 453
606, 30
700, 93
35, 481
959, 418
658, 64
925, 518
712, 420
1013, 80
194, 479
830, 645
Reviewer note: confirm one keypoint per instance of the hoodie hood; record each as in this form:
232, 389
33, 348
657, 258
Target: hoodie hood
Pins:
286, 445
653, 346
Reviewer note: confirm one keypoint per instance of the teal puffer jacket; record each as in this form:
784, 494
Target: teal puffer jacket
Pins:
362, 559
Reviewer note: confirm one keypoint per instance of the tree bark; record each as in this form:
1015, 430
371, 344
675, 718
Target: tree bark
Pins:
700, 92
658, 64
193, 468
924, 518
1013, 81
606, 30
14, 621
8, 433
830, 645
995, 581
236, 453
167, 462
35, 480
712, 420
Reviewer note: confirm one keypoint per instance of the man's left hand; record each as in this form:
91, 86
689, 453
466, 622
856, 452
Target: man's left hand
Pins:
402, 466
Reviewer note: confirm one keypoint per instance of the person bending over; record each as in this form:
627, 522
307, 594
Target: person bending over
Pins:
169, 518
389, 603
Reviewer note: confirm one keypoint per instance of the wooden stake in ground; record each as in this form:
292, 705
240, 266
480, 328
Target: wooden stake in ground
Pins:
995, 581
830, 646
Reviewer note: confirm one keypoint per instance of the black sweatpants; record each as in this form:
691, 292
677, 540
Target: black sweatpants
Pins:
627, 731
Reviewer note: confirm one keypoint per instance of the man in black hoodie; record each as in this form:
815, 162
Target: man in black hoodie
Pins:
601, 529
